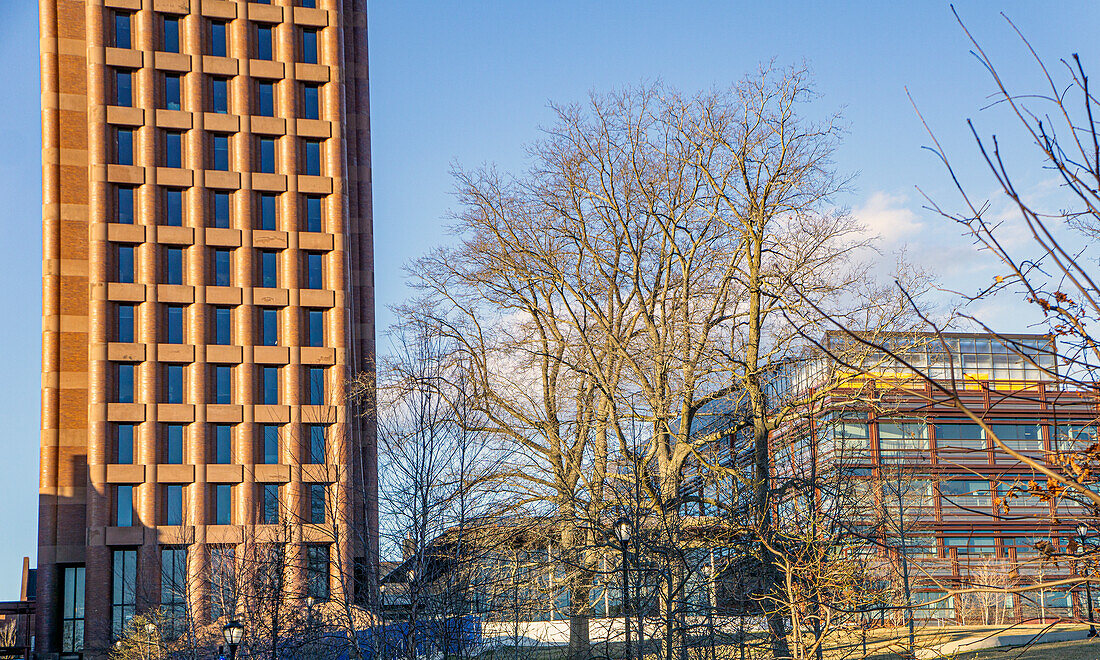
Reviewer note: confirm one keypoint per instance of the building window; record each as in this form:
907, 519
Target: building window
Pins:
124, 444
311, 157
316, 433
315, 327
315, 386
223, 504
309, 4
222, 438
317, 504
124, 505
173, 504
223, 262
173, 383
124, 146
124, 93
268, 212
124, 264
269, 269
173, 443
314, 270
223, 581
311, 101
267, 155
173, 207
309, 46
223, 384
269, 386
173, 149
173, 590
264, 50
265, 98
269, 436
270, 495
172, 91
219, 94
124, 382
170, 34
72, 610
124, 205
219, 42
223, 326
122, 30
313, 213
123, 589
173, 265
269, 326
221, 210
220, 152
173, 324
317, 571
124, 323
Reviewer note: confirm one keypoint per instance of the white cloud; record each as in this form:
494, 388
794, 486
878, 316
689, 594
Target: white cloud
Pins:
885, 215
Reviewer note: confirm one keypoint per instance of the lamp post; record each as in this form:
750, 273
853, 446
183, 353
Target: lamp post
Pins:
233, 632
623, 531
154, 638
1082, 531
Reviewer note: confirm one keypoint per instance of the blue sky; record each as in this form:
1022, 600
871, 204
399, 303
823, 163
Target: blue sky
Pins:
468, 83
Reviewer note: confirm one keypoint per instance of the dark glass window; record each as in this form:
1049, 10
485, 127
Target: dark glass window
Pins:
311, 101
72, 610
123, 589
267, 155
172, 91
269, 268
309, 4
124, 205
316, 434
219, 43
317, 504
315, 386
173, 207
219, 95
223, 504
173, 586
124, 146
173, 149
122, 30
312, 157
124, 444
269, 389
309, 46
317, 571
268, 213
221, 152
265, 99
124, 264
173, 383
223, 444
223, 326
221, 210
313, 213
123, 88
270, 504
173, 504
270, 439
223, 275
315, 327
269, 326
124, 506
124, 323
173, 444
124, 383
173, 324
263, 42
223, 383
314, 270
170, 37
173, 265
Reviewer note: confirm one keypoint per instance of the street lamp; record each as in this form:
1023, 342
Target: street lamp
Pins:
233, 632
623, 531
1082, 531
154, 638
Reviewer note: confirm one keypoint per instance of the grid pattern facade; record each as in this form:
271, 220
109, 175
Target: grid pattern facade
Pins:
208, 289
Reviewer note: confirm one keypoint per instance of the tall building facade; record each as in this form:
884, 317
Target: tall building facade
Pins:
207, 297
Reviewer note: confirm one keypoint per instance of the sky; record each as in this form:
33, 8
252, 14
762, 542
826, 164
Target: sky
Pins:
469, 83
